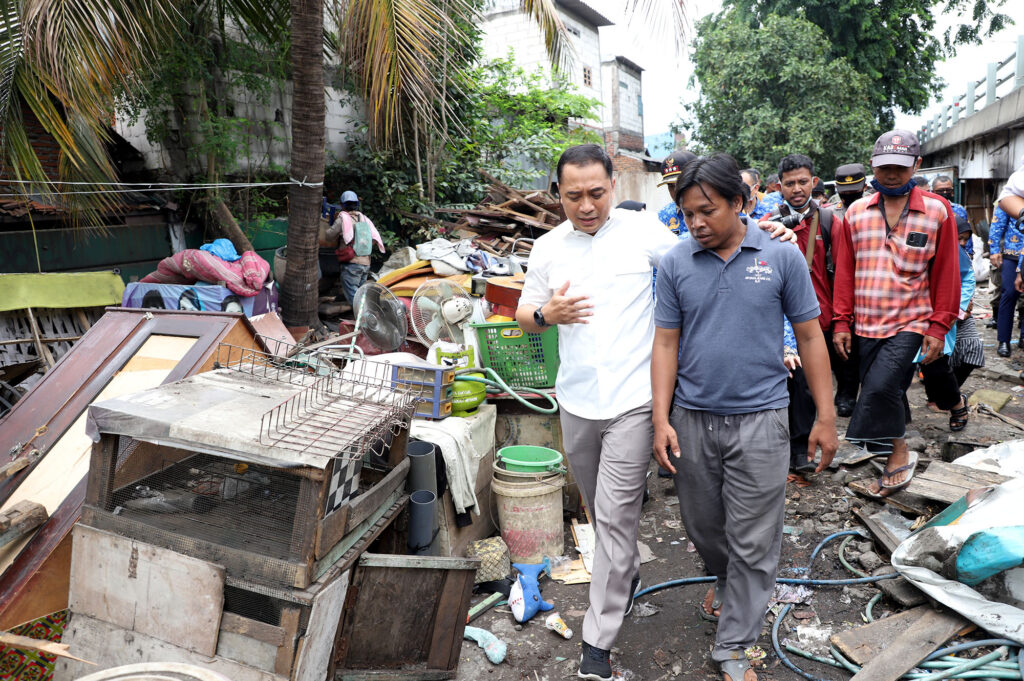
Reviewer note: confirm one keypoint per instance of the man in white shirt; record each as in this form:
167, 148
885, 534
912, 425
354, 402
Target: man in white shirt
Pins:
591, 276
1011, 199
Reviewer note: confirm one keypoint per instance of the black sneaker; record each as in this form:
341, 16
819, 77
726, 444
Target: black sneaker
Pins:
594, 664
634, 586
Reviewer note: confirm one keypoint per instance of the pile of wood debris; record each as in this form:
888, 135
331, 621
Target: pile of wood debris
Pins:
508, 219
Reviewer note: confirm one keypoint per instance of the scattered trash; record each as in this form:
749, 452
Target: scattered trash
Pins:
791, 593
555, 623
793, 530
690, 548
672, 524
803, 614
494, 648
814, 637
646, 555
672, 501
644, 609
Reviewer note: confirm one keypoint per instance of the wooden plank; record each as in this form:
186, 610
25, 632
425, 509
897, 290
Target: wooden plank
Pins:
241, 564
243, 626
902, 500
390, 675
248, 651
44, 591
20, 519
428, 562
902, 654
368, 529
880, 529
314, 658
947, 482
450, 620
9, 469
141, 587
290, 619
865, 642
365, 504
331, 530
28, 643
95, 640
43, 351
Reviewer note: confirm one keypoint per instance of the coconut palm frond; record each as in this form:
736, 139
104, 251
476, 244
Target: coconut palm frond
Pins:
667, 16
395, 47
61, 63
556, 39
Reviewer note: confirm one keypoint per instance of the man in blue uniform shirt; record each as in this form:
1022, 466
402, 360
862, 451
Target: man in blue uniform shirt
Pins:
670, 215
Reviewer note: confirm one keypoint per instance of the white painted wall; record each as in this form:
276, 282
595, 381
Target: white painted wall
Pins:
643, 187
269, 139
507, 27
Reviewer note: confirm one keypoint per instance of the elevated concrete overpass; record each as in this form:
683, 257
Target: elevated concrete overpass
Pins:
980, 134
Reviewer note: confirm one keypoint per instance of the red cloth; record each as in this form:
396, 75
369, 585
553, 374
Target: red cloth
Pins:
882, 284
245, 276
820, 277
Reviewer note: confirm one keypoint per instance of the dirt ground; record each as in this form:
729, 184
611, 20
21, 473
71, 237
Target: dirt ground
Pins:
664, 638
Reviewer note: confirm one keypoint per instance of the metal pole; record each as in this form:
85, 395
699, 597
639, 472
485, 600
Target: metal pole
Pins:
990, 84
971, 96
1019, 80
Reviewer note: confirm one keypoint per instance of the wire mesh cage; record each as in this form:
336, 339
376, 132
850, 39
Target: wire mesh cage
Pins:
256, 457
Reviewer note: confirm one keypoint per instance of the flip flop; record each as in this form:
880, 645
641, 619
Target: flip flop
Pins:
911, 467
736, 669
716, 604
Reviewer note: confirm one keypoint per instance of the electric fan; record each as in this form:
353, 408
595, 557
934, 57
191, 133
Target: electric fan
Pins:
379, 315
438, 311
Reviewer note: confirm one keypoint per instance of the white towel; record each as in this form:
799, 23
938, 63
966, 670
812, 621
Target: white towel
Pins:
461, 459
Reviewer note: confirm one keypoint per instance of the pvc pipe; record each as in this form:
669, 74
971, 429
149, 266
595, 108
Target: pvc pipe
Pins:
422, 469
421, 522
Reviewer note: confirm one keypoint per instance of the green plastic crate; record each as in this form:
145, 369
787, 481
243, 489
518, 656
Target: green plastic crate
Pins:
521, 359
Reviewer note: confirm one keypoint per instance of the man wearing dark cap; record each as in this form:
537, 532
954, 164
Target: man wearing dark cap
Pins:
671, 216
849, 186
897, 287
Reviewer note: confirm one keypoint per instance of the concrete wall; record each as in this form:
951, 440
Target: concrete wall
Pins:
639, 185
269, 135
507, 27
623, 117
993, 156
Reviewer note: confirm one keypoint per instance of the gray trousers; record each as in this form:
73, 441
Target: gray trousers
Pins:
731, 483
609, 459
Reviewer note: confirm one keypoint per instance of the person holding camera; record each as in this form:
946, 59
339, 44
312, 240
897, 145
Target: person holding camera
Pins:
813, 225
897, 286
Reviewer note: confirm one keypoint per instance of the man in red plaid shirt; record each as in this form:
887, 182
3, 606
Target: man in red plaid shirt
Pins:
897, 286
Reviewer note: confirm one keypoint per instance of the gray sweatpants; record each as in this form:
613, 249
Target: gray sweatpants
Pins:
731, 483
610, 459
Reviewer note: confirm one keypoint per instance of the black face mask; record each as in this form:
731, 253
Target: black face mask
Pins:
946, 194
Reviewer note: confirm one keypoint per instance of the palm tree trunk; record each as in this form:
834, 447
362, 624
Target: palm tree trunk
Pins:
299, 292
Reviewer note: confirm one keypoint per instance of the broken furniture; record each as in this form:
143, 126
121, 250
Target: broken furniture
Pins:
250, 466
42, 315
237, 491
125, 351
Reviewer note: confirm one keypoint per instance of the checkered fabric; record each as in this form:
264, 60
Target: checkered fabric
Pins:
344, 482
886, 284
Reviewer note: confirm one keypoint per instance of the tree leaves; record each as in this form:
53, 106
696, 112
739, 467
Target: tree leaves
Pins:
775, 90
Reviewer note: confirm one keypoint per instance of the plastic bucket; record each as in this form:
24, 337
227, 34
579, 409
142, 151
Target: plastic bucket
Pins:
530, 517
530, 459
505, 475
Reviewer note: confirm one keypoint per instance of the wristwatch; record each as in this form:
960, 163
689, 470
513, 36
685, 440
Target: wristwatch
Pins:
538, 318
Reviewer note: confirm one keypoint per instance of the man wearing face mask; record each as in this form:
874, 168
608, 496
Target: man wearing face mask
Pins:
849, 186
897, 287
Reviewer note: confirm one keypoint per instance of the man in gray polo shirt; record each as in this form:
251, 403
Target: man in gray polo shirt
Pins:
719, 390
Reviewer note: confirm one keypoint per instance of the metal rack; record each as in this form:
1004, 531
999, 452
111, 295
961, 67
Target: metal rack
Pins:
337, 413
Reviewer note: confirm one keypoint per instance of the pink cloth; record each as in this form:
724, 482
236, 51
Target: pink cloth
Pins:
245, 276
348, 226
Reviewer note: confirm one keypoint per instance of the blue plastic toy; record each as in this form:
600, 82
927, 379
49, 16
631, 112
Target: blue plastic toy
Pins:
524, 598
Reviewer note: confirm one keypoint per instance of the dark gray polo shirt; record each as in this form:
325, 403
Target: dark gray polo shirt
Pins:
730, 318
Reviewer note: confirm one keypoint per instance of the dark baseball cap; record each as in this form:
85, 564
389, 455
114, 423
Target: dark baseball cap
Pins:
850, 178
897, 148
673, 165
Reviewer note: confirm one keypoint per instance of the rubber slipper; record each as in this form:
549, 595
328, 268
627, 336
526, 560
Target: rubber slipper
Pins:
911, 467
736, 669
716, 604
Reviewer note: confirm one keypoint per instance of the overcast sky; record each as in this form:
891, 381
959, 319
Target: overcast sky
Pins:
666, 74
